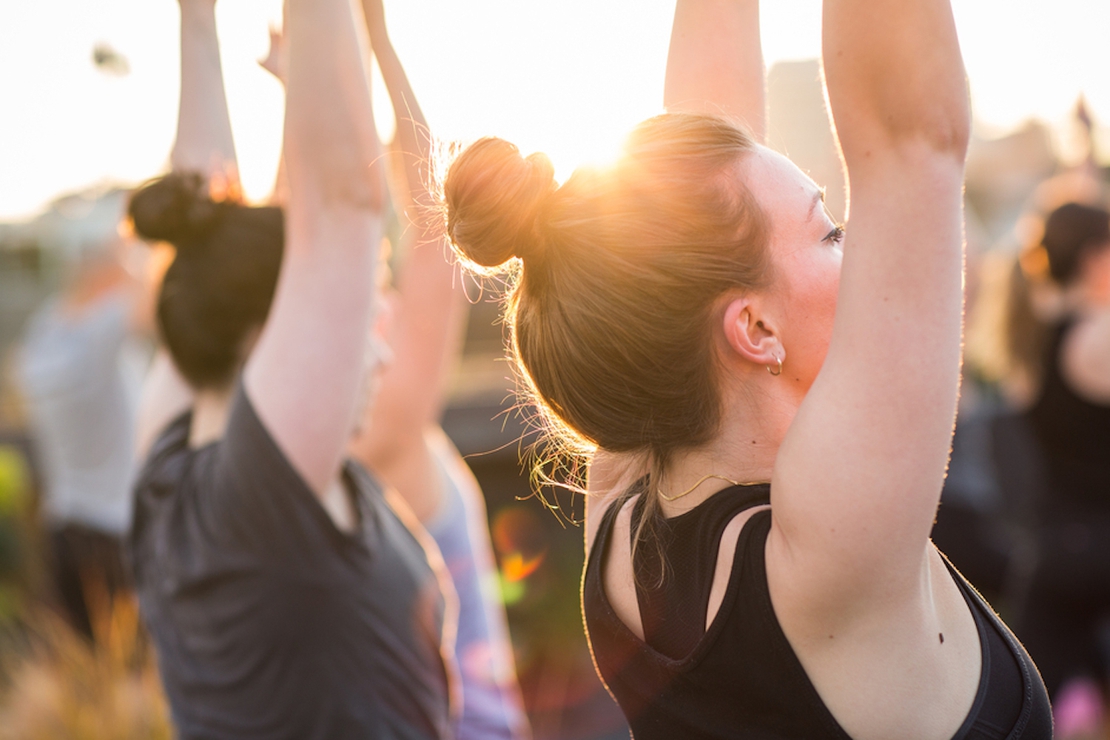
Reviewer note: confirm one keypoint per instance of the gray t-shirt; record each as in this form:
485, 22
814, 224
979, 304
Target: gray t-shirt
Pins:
81, 378
269, 621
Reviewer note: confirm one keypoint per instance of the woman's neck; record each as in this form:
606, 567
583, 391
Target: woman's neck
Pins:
211, 407
744, 451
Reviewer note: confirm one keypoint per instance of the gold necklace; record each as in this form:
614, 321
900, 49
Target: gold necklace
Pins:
701, 480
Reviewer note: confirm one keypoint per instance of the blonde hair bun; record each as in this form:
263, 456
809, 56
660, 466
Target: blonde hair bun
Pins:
495, 200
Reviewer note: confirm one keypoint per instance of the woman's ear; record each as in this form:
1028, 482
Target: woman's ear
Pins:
750, 334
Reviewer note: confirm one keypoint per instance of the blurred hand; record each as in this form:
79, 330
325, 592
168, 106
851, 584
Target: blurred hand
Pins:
276, 61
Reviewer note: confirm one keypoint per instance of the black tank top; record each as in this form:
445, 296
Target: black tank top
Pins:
741, 678
1074, 434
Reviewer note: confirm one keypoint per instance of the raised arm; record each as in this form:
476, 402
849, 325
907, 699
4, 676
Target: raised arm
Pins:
715, 62
429, 305
414, 137
858, 477
304, 376
202, 144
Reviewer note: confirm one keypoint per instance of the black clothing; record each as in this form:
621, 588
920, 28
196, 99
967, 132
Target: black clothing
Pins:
673, 617
741, 679
87, 568
1074, 433
988, 516
268, 620
1067, 619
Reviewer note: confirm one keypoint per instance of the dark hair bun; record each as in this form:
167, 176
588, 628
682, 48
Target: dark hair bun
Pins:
175, 208
495, 200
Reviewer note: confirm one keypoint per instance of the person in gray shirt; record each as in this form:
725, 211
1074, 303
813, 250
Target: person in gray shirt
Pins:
80, 369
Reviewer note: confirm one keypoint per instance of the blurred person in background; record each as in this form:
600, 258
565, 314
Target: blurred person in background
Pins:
81, 367
284, 589
401, 440
771, 431
1058, 340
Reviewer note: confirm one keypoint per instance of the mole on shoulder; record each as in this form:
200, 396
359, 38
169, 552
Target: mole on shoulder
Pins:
941, 638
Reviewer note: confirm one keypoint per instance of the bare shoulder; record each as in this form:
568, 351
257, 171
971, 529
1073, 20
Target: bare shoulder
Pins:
617, 576
609, 475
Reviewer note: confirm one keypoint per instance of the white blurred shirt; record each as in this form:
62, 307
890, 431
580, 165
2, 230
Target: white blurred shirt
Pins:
81, 377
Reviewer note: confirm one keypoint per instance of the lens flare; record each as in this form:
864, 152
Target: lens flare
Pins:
521, 544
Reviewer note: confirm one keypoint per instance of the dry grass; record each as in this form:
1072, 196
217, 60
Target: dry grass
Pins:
59, 685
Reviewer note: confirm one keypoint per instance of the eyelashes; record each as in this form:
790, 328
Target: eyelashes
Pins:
836, 235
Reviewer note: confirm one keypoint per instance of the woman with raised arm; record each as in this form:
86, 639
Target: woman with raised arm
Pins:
284, 596
771, 428
401, 440
1058, 341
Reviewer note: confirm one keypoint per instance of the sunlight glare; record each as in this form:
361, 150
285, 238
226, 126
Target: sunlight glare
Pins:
598, 148
569, 79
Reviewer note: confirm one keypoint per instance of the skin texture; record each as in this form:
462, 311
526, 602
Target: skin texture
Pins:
806, 258
204, 142
715, 62
854, 435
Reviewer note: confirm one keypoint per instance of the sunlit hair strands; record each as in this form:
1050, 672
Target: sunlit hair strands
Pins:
496, 211
612, 307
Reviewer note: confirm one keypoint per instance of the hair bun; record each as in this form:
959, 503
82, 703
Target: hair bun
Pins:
174, 208
495, 200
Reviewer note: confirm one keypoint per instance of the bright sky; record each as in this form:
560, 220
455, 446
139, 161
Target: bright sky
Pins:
567, 77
